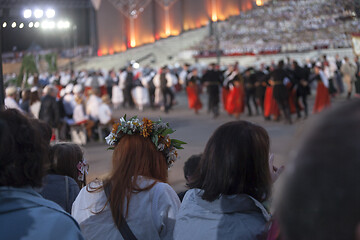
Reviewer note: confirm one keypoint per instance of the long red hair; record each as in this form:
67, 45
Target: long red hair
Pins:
133, 156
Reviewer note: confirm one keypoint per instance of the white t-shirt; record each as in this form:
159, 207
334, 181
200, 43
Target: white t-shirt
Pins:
35, 109
92, 107
79, 115
151, 213
11, 103
105, 113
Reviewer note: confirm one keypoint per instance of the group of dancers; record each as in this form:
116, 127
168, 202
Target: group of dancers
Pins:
276, 90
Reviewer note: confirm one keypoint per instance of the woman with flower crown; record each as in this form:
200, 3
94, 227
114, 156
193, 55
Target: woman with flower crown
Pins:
135, 201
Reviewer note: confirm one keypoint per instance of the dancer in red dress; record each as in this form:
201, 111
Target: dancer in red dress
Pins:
235, 100
322, 99
225, 91
192, 89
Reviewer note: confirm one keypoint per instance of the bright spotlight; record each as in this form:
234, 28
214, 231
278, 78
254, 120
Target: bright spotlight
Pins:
36, 25
50, 13
4, 25
31, 24
60, 25
136, 65
66, 24
45, 24
13, 25
21, 25
27, 13
51, 25
38, 13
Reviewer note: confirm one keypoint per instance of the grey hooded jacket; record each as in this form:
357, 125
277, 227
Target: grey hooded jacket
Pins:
229, 217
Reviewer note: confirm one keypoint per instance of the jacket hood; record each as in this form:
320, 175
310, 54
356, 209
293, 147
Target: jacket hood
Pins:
230, 203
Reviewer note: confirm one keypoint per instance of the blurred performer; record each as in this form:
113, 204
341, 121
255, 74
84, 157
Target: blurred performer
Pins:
339, 83
280, 92
322, 99
302, 88
270, 106
236, 98
228, 76
348, 71
260, 87
192, 89
183, 74
165, 85
249, 84
212, 81
357, 76
126, 83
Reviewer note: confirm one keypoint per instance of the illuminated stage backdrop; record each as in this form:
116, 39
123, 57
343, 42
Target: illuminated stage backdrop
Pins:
129, 23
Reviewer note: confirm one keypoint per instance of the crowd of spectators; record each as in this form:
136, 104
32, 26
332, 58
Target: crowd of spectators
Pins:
285, 26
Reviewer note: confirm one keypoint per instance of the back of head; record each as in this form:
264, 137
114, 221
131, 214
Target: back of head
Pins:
23, 153
133, 156
10, 91
322, 195
235, 161
190, 166
64, 160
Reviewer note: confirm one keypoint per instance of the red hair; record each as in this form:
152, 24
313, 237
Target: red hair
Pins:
133, 156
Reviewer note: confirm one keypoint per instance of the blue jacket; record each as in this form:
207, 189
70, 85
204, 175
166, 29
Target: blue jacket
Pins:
24, 214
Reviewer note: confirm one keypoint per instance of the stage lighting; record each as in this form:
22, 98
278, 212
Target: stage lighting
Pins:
4, 25
38, 13
27, 13
31, 24
50, 13
13, 25
60, 25
21, 25
136, 65
66, 24
36, 25
45, 24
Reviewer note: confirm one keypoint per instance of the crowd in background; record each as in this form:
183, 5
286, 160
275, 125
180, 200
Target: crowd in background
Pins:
285, 26
88, 98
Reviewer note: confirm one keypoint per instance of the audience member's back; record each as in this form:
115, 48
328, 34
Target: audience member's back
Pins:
322, 193
24, 214
66, 175
231, 181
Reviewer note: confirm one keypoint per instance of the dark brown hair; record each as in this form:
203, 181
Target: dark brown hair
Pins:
235, 161
133, 156
64, 158
23, 153
34, 97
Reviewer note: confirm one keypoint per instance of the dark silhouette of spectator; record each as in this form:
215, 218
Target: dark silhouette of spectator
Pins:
321, 196
24, 214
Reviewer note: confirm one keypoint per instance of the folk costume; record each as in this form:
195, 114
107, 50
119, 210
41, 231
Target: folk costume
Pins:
236, 97
192, 90
322, 99
212, 81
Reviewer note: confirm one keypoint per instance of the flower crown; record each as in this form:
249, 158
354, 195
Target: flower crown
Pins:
157, 131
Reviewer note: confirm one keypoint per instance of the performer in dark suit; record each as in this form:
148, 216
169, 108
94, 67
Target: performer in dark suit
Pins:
280, 92
212, 81
249, 84
302, 88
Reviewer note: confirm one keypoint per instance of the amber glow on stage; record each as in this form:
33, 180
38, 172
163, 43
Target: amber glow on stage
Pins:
161, 21
167, 22
259, 2
132, 43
